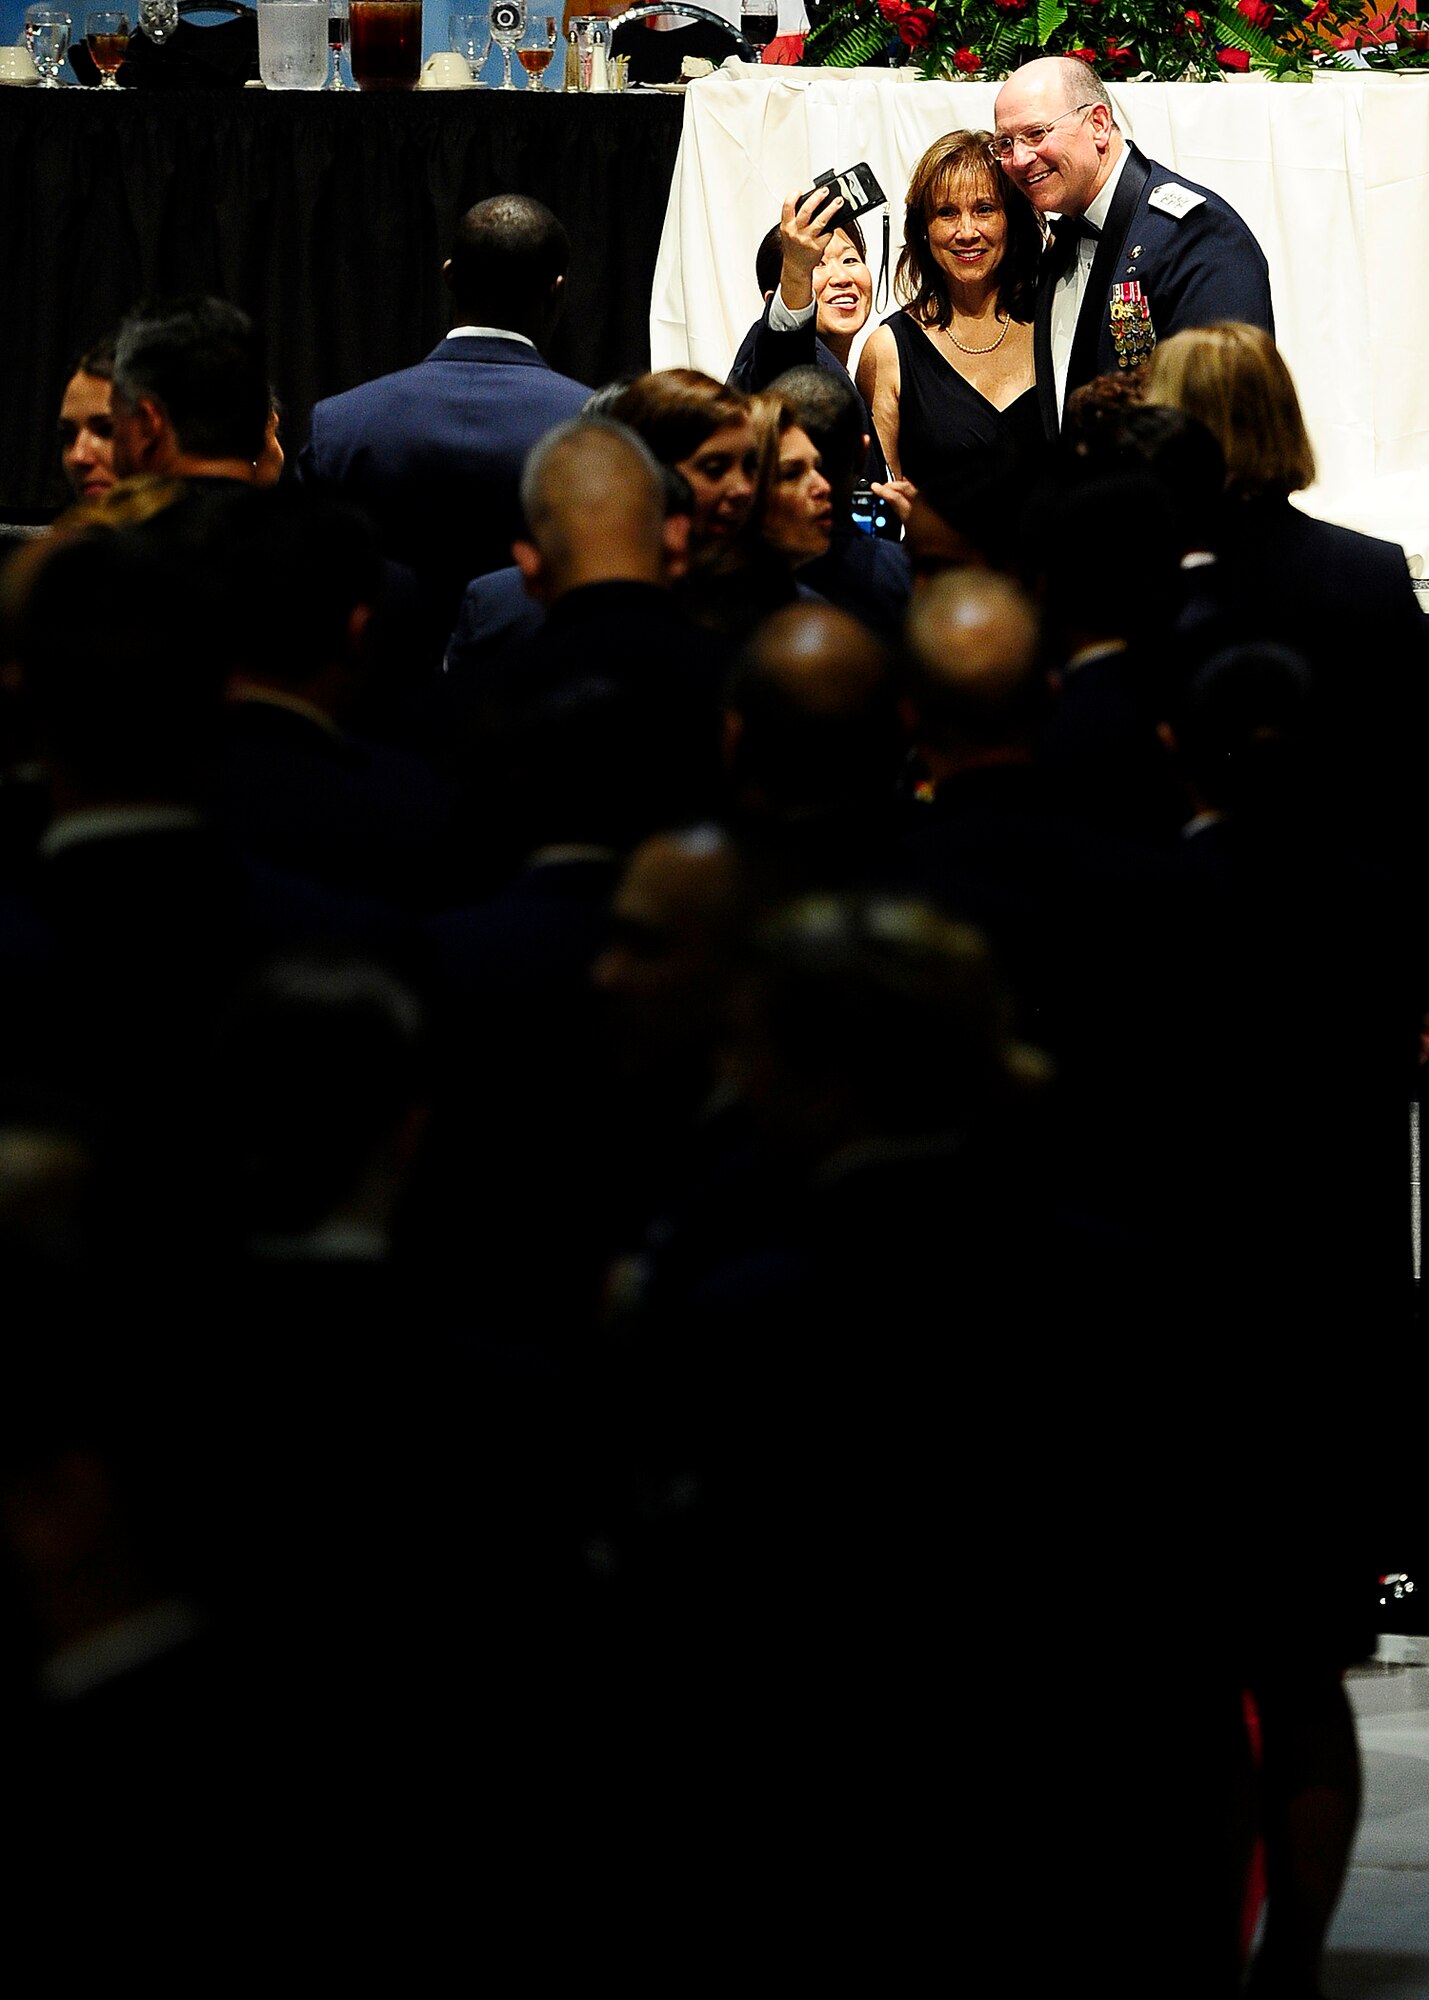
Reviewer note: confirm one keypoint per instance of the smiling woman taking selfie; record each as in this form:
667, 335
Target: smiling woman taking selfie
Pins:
818, 290
952, 371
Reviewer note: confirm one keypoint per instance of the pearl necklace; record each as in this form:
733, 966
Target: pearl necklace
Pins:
965, 349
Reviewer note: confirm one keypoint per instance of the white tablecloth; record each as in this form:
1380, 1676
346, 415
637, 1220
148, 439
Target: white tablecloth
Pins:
1333, 177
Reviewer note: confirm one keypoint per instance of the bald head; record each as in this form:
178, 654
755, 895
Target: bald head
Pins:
1062, 105
973, 681
591, 470
666, 968
824, 661
811, 710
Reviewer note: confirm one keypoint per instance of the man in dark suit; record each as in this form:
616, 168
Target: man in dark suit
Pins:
434, 452
1139, 254
190, 396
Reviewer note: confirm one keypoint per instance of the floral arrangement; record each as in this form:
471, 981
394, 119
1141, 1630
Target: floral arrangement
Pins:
989, 38
1122, 39
1289, 38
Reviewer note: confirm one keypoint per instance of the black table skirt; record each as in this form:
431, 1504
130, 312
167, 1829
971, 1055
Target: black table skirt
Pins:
327, 215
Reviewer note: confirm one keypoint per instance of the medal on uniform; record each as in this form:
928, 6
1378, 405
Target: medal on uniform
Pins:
1132, 334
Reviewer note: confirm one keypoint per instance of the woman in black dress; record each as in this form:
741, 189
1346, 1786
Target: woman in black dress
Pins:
952, 371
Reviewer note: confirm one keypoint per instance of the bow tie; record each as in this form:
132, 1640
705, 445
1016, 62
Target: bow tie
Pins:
1068, 228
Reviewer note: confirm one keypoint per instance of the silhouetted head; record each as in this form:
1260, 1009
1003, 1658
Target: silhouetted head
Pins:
508, 265
190, 389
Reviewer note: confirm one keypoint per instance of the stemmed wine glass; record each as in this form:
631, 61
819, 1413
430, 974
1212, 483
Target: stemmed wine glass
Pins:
158, 19
339, 30
538, 45
470, 37
107, 36
47, 32
508, 25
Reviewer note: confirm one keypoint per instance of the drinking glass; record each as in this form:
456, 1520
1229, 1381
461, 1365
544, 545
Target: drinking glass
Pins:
508, 25
538, 45
47, 32
758, 20
386, 44
292, 44
339, 27
158, 20
106, 35
471, 38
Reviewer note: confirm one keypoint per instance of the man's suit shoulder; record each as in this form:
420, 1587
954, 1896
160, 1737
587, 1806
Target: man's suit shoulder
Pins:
1203, 255
506, 389
488, 359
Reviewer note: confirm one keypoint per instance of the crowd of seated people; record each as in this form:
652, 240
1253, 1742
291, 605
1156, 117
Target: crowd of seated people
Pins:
615, 1207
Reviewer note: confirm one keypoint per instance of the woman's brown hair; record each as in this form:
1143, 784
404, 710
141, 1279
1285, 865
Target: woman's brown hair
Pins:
950, 163
1233, 379
675, 409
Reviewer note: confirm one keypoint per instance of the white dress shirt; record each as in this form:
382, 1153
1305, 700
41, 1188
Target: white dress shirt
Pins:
1072, 285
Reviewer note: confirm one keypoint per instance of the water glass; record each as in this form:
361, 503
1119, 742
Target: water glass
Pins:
47, 31
292, 44
508, 25
470, 37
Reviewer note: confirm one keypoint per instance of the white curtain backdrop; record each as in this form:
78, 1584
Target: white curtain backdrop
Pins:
1332, 176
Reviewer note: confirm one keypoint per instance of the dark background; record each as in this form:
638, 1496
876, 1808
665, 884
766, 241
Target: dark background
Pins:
327, 216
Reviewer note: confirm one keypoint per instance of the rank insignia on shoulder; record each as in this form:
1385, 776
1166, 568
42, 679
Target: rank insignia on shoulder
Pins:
1173, 199
1132, 334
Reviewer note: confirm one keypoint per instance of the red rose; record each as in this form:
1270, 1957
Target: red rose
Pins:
1317, 13
1117, 52
1232, 58
892, 10
916, 26
1259, 13
1194, 21
968, 61
1084, 55
1011, 6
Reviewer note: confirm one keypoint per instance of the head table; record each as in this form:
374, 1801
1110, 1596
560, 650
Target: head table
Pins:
1333, 177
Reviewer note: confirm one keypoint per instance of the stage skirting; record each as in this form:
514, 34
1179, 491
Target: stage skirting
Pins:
327, 216
1333, 177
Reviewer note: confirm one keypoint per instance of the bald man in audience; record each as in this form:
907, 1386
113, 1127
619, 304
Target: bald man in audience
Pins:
609, 612
813, 748
974, 695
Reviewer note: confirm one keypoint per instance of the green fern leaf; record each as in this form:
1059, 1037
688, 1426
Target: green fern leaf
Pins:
1235, 32
1050, 16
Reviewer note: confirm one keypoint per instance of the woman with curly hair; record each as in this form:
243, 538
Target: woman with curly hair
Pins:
952, 371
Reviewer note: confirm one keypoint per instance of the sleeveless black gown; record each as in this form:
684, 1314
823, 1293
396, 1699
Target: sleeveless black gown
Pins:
941, 416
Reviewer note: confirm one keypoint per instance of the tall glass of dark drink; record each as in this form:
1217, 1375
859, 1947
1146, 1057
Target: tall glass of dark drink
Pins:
385, 44
758, 20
